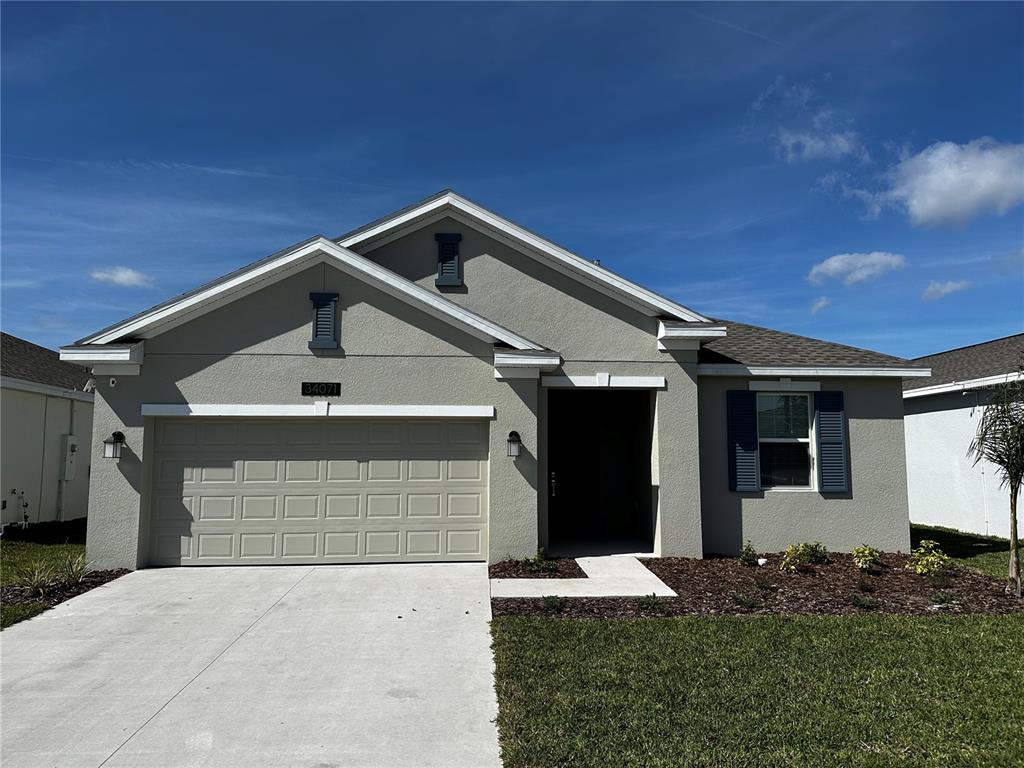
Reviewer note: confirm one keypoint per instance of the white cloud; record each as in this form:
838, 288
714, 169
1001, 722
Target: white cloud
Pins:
820, 144
819, 304
124, 276
937, 290
949, 183
856, 267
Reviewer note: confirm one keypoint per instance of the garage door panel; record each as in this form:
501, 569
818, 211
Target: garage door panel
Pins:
331, 491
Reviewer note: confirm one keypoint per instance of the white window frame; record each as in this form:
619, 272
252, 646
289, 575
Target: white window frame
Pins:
811, 440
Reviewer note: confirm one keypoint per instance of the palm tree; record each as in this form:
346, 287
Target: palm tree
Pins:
1000, 440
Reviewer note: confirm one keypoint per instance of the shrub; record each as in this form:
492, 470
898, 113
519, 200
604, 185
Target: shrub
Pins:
800, 557
866, 558
651, 602
745, 601
553, 603
37, 577
72, 569
765, 583
748, 555
943, 598
928, 559
865, 584
864, 602
540, 563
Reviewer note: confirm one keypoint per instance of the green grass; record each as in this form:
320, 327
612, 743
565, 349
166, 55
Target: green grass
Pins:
17, 554
984, 553
851, 691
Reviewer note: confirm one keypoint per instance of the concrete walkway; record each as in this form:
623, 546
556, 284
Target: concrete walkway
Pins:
354, 666
607, 576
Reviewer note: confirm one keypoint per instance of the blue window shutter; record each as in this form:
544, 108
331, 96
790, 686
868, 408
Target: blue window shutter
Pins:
833, 471
449, 263
324, 305
741, 432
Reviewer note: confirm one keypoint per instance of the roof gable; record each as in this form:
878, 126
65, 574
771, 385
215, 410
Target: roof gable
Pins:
29, 362
283, 263
995, 358
450, 204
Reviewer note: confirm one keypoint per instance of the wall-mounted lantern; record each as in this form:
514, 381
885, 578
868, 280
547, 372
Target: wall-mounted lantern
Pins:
112, 446
515, 445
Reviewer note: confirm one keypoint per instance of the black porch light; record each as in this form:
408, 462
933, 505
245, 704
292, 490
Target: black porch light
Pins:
112, 446
515, 444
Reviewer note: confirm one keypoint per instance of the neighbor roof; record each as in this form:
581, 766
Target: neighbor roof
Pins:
977, 361
20, 359
752, 345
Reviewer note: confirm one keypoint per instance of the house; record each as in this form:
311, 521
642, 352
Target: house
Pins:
443, 384
45, 429
945, 486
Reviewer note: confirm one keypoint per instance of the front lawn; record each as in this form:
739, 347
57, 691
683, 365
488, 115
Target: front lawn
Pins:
17, 555
765, 691
984, 553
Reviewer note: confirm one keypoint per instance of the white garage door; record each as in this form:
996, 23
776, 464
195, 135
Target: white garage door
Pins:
318, 490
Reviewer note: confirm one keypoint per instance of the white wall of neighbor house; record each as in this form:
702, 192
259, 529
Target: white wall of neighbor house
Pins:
945, 487
873, 512
34, 427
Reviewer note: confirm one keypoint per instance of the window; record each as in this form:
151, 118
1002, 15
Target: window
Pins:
784, 424
449, 266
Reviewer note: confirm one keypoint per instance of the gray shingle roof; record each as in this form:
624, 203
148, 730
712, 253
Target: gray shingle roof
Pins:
989, 358
24, 360
753, 345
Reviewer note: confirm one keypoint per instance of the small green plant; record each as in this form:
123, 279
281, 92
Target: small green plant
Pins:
765, 583
943, 598
540, 563
748, 555
866, 558
866, 584
801, 557
928, 559
745, 601
651, 603
38, 578
553, 603
864, 602
71, 569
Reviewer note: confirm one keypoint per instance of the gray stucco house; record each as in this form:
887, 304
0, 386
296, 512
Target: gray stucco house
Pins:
443, 384
941, 414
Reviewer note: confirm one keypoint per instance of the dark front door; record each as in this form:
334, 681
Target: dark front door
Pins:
599, 462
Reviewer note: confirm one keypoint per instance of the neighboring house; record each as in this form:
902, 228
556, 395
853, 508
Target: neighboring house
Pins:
443, 384
945, 486
45, 429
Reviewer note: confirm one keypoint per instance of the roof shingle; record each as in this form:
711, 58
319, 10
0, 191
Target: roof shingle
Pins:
24, 360
989, 358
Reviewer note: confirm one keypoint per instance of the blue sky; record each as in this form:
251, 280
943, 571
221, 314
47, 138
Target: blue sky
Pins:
851, 172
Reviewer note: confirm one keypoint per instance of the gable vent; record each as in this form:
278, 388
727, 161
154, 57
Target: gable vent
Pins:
324, 305
449, 265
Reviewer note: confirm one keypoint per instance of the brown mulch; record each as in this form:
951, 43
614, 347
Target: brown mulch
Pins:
16, 594
723, 586
565, 568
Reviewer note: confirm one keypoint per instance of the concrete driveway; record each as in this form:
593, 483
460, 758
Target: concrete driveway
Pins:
368, 665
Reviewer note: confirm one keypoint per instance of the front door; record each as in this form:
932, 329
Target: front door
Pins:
599, 462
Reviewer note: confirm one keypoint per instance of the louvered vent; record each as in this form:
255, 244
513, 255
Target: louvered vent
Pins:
449, 266
324, 305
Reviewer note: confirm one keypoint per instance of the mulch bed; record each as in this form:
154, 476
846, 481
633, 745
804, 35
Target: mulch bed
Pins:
723, 586
564, 568
19, 595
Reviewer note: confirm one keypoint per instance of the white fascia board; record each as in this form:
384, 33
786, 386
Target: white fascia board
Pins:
794, 370
320, 408
8, 382
671, 330
603, 380
784, 385
543, 359
316, 251
565, 261
89, 354
960, 386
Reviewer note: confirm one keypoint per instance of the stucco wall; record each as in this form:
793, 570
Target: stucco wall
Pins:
32, 455
875, 510
944, 485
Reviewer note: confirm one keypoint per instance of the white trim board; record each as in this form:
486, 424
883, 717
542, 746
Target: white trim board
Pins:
319, 250
959, 386
603, 380
130, 354
320, 408
795, 370
784, 385
8, 382
471, 214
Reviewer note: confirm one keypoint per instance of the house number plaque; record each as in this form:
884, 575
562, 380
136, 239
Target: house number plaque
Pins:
321, 389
